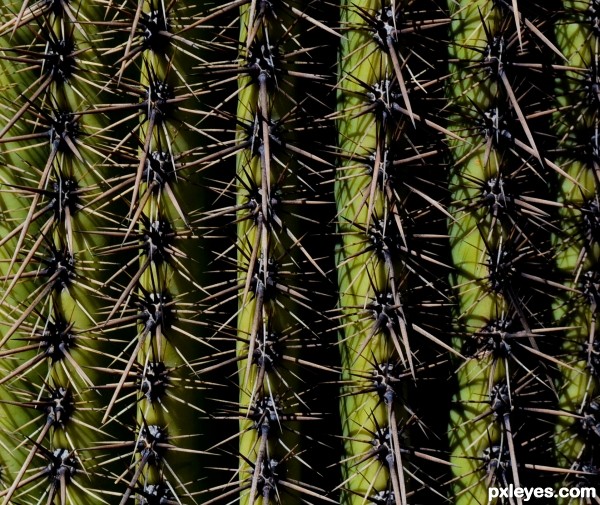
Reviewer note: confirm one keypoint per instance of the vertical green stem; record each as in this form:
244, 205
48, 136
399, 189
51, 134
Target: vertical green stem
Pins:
476, 237
577, 242
49, 245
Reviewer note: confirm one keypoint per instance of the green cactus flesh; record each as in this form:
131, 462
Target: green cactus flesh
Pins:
296, 251
576, 244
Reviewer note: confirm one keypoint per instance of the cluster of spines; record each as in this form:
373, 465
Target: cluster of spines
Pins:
117, 236
154, 147
50, 152
275, 266
150, 310
111, 235
264, 312
576, 242
383, 268
499, 235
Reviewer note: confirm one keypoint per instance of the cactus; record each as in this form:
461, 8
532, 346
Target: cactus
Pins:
499, 237
378, 117
267, 247
576, 244
51, 146
297, 251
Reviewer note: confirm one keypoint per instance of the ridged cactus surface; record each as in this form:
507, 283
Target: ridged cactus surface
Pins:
276, 252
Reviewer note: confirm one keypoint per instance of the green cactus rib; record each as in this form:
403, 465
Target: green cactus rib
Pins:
375, 115
177, 323
475, 237
500, 237
469, 251
577, 246
164, 281
254, 251
59, 314
13, 418
268, 258
361, 275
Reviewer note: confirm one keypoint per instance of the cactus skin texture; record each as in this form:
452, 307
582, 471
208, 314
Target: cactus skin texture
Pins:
164, 281
280, 252
577, 244
265, 315
276, 267
361, 273
48, 347
477, 306
499, 237
381, 120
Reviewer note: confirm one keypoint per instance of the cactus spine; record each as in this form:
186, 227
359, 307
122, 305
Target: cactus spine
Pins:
162, 283
470, 233
263, 318
378, 127
498, 236
176, 322
48, 346
577, 242
364, 273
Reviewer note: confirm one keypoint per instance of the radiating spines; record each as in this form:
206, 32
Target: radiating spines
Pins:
50, 351
48, 135
499, 235
383, 123
59, 148
160, 262
277, 174
575, 309
167, 323
269, 133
